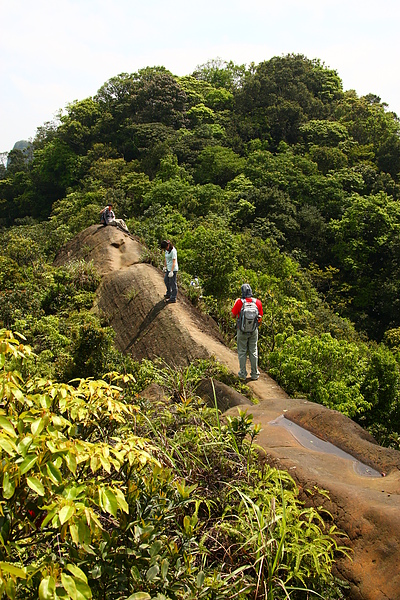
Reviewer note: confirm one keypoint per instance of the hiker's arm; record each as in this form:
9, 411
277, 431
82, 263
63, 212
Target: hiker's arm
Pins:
173, 264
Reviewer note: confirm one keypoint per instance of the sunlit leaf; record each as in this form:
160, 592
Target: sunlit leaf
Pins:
7, 426
8, 446
35, 485
27, 463
109, 502
77, 572
66, 513
37, 426
8, 486
6, 567
47, 588
53, 473
69, 585
70, 460
83, 591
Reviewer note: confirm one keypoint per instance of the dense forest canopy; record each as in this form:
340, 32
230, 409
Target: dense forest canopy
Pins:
269, 173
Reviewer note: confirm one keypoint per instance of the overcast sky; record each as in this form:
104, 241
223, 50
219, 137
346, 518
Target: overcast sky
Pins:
56, 51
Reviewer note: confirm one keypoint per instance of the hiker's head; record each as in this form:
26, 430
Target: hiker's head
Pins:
165, 245
246, 291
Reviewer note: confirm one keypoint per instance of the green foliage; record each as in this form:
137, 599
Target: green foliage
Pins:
209, 253
359, 381
366, 252
218, 165
89, 509
267, 173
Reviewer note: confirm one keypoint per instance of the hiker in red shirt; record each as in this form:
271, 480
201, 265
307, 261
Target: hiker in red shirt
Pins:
248, 312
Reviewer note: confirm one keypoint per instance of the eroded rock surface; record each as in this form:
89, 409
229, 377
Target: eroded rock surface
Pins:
366, 508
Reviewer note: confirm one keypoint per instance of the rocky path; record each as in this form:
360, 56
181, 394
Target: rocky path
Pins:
366, 507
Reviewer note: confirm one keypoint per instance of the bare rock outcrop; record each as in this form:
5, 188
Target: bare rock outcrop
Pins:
366, 505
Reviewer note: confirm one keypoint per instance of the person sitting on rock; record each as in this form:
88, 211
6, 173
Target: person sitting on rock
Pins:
107, 217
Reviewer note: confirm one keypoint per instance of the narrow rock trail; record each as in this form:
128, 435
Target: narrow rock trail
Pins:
367, 508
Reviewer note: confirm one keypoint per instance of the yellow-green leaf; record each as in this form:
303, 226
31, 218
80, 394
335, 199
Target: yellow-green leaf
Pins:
109, 502
140, 596
35, 485
69, 585
7, 426
8, 446
74, 531
8, 486
27, 463
66, 513
10, 589
53, 473
6, 567
47, 588
70, 459
77, 572
83, 591
37, 426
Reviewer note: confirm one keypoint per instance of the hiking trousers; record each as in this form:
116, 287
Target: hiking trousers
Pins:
247, 344
171, 285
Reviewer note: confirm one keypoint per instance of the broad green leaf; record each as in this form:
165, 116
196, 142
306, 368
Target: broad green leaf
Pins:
10, 589
109, 502
18, 395
37, 426
8, 446
200, 579
164, 567
140, 596
83, 591
7, 426
8, 486
47, 588
35, 485
45, 401
70, 460
122, 503
69, 585
27, 463
152, 572
6, 567
53, 473
77, 572
84, 532
66, 513
155, 548
24, 445
74, 531
94, 463
59, 422
105, 463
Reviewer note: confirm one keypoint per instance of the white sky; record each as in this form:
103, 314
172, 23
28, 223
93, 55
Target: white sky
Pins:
56, 51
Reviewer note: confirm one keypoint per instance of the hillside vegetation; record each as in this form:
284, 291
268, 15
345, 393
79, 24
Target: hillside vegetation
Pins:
267, 173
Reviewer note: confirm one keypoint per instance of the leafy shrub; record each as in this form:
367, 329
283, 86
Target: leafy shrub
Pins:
101, 500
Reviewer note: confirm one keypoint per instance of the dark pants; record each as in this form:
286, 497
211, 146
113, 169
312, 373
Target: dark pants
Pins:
171, 285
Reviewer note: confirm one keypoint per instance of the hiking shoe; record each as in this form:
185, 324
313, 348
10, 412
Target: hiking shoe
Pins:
254, 378
170, 301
